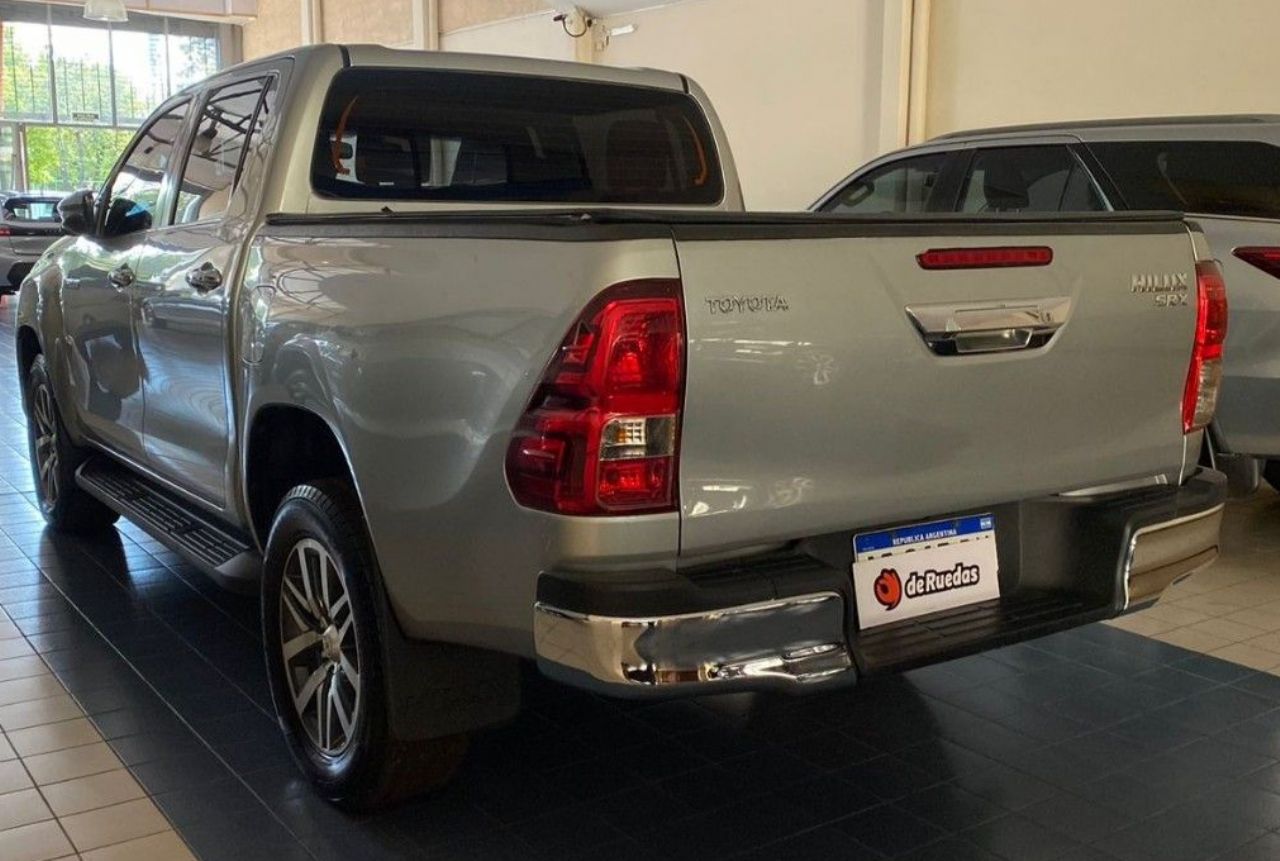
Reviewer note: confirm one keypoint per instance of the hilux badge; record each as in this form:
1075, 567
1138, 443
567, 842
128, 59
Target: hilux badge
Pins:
1169, 288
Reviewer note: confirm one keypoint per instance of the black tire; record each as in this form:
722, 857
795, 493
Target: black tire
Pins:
366, 767
1271, 472
54, 461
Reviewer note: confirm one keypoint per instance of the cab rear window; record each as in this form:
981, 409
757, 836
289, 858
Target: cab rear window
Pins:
456, 136
1208, 177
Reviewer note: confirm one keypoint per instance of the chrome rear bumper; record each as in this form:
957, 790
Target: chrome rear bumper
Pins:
788, 622
772, 644
1164, 553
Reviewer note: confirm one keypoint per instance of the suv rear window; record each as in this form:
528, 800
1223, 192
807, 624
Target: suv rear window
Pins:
457, 136
32, 209
1209, 177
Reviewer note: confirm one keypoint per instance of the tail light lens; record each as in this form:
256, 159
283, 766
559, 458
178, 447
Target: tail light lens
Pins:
1265, 258
600, 433
4, 231
1000, 257
1204, 378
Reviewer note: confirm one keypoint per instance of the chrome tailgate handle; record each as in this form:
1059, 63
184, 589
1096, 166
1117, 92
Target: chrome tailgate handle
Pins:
989, 327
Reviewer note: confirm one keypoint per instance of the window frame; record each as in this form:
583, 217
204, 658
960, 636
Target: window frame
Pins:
270, 79
182, 142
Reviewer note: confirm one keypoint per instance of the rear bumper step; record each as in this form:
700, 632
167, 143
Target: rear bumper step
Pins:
788, 622
228, 559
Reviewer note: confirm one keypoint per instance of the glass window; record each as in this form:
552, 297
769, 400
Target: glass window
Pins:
1028, 179
134, 195
25, 66
229, 121
42, 209
511, 138
81, 70
193, 53
62, 159
1209, 177
139, 57
904, 186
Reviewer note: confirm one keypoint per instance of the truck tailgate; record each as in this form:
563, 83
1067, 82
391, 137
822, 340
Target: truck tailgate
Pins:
814, 402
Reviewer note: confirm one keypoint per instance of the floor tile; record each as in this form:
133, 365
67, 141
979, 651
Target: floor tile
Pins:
89, 793
166, 846
22, 808
70, 763
40, 841
115, 824
53, 736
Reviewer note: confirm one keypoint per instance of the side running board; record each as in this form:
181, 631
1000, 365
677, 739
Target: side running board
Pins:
226, 557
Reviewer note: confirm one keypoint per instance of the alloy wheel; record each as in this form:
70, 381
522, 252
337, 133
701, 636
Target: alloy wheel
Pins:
45, 432
319, 644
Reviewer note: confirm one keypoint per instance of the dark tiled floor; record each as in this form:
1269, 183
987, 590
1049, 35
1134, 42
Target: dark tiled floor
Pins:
1095, 744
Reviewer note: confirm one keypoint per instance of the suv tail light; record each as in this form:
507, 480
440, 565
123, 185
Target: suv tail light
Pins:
1200, 397
599, 436
1265, 258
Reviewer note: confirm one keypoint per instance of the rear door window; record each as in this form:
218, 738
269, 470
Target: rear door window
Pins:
1028, 179
229, 119
1209, 177
910, 185
458, 136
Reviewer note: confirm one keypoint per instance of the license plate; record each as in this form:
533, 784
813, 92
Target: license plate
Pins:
915, 570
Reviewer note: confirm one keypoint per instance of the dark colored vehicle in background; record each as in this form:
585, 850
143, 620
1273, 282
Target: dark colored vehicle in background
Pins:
1224, 170
29, 224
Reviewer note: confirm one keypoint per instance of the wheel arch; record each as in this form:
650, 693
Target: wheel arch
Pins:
287, 445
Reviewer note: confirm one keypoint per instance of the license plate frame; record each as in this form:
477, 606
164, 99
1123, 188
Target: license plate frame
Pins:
910, 571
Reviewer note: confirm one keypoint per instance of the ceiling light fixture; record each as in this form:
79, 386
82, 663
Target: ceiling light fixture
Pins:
106, 10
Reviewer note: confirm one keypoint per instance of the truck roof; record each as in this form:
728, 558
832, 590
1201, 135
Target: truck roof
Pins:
1085, 126
378, 55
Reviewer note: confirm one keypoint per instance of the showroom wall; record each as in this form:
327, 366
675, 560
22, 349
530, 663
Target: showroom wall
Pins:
994, 62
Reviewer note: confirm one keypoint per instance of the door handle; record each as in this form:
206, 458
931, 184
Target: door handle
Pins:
989, 327
121, 277
205, 277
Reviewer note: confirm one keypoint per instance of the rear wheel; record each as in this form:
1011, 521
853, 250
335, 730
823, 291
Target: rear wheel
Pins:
54, 461
325, 657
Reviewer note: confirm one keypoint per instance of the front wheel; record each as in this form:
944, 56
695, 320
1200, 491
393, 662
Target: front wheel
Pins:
54, 461
324, 655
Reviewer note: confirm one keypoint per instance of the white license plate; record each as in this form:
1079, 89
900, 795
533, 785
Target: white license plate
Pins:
914, 570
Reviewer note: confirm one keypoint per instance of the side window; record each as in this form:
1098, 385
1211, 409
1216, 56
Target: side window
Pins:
1209, 177
905, 186
1028, 179
134, 192
229, 121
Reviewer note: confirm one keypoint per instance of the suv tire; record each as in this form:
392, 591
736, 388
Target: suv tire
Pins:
325, 657
54, 460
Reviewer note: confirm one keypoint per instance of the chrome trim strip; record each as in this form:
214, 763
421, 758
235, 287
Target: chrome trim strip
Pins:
782, 643
1116, 487
1161, 527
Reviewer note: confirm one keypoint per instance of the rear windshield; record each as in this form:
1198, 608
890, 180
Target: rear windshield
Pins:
457, 136
31, 209
1208, 177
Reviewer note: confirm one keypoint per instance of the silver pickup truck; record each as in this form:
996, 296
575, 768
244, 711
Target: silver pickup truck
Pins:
463, 359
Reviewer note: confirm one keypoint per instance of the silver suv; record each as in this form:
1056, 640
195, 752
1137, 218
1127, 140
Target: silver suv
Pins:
1223, 169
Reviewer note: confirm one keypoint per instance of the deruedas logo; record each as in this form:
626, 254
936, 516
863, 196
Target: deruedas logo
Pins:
931, 581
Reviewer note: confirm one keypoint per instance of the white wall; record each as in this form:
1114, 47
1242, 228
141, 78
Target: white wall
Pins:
798, 84
531, 36
994, 62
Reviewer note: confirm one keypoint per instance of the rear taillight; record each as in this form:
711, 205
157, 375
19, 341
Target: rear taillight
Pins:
1265, 258
600, 434
1204, 378
4, 231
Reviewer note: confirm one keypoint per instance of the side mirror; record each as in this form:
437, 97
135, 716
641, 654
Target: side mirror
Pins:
76, 212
